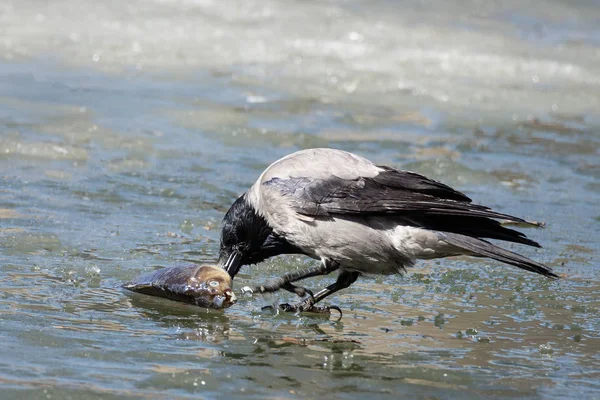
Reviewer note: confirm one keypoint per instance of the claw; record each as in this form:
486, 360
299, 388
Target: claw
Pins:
336, 308
258, 289
325, 310
288, 307
317, 310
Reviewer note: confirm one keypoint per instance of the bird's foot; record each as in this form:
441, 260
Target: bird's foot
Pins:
307, 306
310, 309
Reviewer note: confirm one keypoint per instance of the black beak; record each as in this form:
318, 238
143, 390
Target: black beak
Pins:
233, 264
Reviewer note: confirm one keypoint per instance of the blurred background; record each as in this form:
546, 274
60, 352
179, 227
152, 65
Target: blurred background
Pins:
128, 128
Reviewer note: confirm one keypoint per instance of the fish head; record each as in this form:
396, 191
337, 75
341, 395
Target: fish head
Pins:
213, 289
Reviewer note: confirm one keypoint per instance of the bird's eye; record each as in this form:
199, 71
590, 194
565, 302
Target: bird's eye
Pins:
214, 283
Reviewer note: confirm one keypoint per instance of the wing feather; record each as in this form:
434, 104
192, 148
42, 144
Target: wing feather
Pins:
416, 199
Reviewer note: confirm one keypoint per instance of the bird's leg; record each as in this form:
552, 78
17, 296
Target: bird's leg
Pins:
285, 282
345, 279
299, 290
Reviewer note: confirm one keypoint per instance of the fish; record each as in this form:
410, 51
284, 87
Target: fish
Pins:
205, 285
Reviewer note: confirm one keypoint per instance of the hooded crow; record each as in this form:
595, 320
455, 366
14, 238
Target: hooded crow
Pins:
360, 218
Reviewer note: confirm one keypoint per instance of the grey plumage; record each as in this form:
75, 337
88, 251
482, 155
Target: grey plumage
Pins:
336, 206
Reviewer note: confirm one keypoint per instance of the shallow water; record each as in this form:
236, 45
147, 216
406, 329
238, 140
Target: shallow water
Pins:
126, 131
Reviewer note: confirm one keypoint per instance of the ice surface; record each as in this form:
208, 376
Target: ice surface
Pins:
509, 57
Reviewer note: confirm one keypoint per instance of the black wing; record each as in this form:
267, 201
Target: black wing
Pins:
418, 200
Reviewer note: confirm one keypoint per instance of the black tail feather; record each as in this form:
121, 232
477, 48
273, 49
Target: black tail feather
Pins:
484, 248
478, 227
